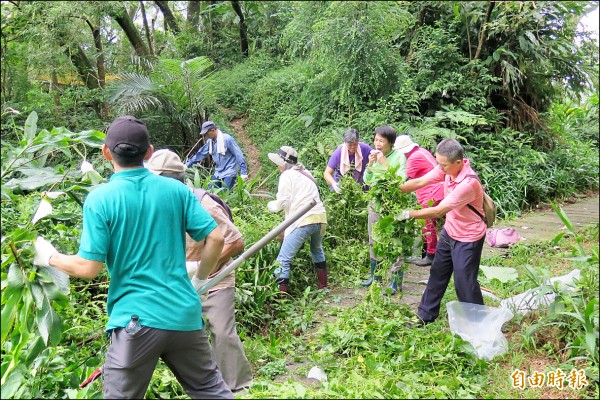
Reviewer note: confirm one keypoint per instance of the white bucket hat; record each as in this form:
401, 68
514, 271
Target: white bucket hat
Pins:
404, 144
286, 154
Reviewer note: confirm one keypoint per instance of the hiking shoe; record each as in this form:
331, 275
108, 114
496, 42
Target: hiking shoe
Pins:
425, 261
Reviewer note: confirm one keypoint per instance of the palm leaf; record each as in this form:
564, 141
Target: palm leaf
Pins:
130, 104
131, 84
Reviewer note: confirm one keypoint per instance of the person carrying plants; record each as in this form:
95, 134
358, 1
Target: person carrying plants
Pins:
136, 224
226, 154
297, 187
349, 157
219, 307
420, 161
461, 240
380, 160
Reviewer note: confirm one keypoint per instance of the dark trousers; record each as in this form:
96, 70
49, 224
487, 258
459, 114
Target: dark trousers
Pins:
227, 182
131, 359
463, 259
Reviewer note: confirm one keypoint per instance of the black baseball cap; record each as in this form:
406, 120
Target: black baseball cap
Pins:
130, 131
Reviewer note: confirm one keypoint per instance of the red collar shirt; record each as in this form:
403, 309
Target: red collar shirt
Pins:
418, 163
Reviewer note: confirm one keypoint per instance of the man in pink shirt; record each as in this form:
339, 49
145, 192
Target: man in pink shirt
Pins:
461, 239
419, 162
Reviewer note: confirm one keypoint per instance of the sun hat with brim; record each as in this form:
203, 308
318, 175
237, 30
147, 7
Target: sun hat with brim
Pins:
130, 131
165, 160
207, 126
286, 154
404, 144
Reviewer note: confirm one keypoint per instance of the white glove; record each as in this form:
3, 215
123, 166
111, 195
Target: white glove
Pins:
43, 251
272, 206
404, 215
86, 166
336, 188
244, 177
191, 267
53, 195
198, 283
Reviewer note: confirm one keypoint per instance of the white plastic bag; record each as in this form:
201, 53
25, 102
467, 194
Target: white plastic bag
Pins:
479, 325
531, 299
318, 374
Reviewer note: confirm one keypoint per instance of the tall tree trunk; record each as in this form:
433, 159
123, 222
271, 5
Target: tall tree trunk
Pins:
102, 106
131, 12
419, 23
6, 87
170, 20
157, 51
132, 33
54, 88
84, 67
243, 31
468, 28
86, 73
99, 53
146, 28
483, 30
193, 15
211, 26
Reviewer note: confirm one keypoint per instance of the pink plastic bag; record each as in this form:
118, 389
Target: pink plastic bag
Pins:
502, 237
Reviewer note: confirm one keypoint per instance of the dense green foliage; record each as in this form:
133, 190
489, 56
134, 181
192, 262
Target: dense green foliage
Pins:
515, 82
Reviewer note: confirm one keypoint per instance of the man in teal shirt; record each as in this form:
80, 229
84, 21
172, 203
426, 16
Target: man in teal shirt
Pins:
136, 224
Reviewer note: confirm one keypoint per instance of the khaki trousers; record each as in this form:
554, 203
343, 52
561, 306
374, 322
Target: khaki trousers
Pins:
219, 311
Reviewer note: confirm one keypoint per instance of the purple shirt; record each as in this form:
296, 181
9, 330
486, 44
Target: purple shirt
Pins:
334, 162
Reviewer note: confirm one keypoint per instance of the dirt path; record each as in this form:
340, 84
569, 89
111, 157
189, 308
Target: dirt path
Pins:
251, 152
545, 224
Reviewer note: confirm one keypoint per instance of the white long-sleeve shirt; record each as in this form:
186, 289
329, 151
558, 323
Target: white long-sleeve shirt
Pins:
295, 190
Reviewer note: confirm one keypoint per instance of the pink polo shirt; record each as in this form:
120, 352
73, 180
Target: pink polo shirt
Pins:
418, 163
462, 223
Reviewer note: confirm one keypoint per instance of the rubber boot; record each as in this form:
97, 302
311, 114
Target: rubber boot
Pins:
321, 274
396, 285
283, 282
372, 278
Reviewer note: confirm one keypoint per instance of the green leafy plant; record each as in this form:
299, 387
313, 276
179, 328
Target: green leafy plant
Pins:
33, 306
32, 163
346, 212
392, 238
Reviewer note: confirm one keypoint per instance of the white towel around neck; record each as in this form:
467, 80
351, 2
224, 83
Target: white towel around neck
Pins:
345, 159
220, 143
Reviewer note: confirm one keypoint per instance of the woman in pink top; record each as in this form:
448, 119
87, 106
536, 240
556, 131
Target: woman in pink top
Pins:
420, 161
461, 240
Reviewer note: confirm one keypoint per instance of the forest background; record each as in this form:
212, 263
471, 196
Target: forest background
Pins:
515, 82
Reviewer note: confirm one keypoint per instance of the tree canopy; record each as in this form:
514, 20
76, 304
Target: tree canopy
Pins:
424, 56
